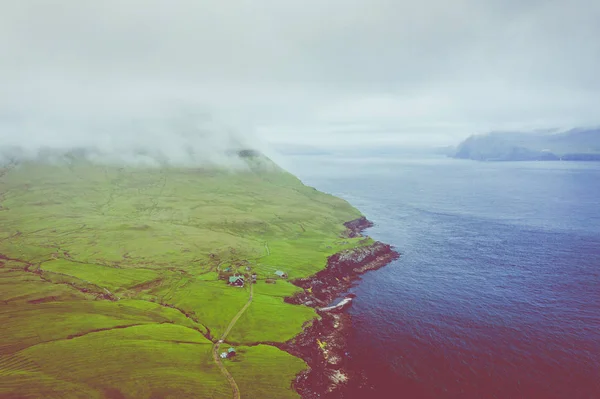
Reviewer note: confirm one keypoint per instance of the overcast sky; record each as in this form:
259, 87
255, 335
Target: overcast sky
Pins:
310, 71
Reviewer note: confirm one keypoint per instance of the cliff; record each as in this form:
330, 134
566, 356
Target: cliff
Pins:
322, 344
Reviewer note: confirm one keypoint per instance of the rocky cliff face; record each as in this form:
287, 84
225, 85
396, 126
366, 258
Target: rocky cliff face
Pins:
357, 226
342, 270
322, 344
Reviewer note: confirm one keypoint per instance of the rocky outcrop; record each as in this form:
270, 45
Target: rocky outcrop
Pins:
322, 344
342, 270
357, 226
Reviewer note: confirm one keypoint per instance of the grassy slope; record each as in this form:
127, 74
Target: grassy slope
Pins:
258, 372
153, 241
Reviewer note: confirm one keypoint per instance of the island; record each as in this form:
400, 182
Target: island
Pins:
573, 145
121, 281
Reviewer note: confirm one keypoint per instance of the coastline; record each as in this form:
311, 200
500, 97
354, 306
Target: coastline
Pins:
322, 344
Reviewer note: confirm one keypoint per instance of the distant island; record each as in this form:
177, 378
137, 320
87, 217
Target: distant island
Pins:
573, 145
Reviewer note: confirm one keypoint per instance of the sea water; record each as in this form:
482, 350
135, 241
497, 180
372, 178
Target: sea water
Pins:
497, 292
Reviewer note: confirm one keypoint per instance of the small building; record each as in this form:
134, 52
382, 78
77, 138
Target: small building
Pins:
236, 281
229, 354
281, 274
253, 278
223, 355
227, 269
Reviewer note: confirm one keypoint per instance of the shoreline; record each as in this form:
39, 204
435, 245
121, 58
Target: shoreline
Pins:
322, 343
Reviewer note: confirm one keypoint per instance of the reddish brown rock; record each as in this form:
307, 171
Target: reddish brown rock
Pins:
322, 344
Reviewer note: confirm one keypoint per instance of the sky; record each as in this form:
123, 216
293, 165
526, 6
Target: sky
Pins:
311, 72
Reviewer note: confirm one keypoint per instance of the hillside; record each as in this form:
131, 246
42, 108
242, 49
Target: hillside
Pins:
574, 145
113, 280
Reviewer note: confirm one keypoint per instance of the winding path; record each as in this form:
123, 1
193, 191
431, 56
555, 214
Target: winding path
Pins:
217, 358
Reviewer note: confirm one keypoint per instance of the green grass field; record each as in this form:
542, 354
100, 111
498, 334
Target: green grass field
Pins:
111, 278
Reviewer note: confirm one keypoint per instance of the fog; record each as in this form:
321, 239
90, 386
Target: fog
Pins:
177, 140
186, 80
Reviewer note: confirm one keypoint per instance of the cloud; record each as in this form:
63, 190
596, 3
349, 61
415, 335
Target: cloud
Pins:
181, 140
413, 71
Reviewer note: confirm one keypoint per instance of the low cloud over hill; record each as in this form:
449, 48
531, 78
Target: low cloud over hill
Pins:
182, 140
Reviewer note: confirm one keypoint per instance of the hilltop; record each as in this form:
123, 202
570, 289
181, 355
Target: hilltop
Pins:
573, 145
114, 278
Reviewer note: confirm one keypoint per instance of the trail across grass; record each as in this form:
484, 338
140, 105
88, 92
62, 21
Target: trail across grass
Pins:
217, 358
96, 248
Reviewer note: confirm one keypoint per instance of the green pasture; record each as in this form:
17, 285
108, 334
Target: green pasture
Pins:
264, 371
111, 277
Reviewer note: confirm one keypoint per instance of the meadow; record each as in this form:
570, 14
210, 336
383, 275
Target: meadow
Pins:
113, 278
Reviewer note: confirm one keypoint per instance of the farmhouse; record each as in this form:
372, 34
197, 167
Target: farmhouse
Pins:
229, 354
236, 281
281, 274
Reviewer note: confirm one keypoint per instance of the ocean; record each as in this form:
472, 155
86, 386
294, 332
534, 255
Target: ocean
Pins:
497, 292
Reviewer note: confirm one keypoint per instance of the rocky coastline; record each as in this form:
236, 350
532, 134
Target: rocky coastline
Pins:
322, 344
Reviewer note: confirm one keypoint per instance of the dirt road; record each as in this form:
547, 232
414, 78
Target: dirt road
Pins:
217, 358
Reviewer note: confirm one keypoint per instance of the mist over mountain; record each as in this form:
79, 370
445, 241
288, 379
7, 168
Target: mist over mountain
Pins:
182, 140
574, 145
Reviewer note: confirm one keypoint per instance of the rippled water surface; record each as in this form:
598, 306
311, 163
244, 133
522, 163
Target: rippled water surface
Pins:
497, 294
